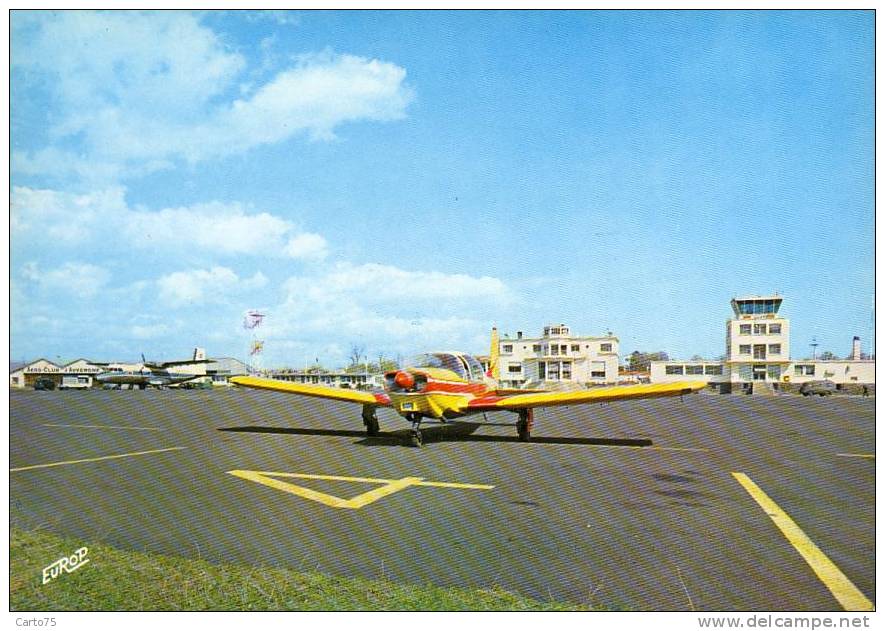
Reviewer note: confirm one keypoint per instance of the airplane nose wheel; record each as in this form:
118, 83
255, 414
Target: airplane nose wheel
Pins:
416, 438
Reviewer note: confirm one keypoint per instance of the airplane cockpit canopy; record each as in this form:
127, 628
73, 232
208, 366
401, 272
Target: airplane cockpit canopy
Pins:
464, 366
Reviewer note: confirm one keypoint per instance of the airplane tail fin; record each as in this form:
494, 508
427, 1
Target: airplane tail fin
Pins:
494, 369
199, 353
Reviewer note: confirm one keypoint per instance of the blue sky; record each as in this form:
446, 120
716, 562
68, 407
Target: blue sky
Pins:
405, 180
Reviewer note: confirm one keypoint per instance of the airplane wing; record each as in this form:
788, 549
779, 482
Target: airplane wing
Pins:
593, 395
323, 392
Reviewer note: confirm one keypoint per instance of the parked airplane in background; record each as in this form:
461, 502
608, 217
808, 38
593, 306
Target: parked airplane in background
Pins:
449, 385
154, 374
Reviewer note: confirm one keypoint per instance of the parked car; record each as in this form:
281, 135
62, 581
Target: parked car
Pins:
821, 388
44, 383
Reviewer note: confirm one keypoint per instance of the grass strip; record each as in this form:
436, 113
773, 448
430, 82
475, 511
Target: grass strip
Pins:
118, 580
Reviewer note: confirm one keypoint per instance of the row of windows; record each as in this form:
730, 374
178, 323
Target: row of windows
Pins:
550, 371
694, 369
715, 369
557, 349
760, 329
546, 369
759, 350
751, 307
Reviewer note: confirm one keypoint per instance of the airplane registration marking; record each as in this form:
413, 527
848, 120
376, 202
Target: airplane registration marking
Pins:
269, 478
846, 592
58, 464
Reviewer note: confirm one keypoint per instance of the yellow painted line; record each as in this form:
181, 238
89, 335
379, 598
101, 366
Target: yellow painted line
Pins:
456, 485
58, 464
382, 491
857, 455
155, 429
269, 478
417, 482
848, 595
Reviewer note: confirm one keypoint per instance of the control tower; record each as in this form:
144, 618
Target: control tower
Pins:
757, 339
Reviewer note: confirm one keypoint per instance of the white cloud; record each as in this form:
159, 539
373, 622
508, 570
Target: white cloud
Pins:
306, 246
161, 61
136, 91
205, 286
83, 280
63, 217
320, 93
225, 228
388, 308
214, 227
389, 284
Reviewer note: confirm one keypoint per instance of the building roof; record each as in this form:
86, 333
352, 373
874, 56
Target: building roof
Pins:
31, 363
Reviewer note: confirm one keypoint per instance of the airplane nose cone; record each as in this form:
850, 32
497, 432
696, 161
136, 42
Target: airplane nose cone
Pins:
404, 379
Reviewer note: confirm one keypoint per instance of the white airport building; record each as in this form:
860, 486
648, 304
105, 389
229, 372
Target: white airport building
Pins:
757, 356
81, 373
557, 359
336, 379
78, 373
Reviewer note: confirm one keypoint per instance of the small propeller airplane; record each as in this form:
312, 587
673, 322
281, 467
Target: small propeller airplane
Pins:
449, 385
154, 374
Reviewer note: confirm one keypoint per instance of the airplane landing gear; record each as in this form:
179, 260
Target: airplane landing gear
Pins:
524, 425
416, 438
370, 420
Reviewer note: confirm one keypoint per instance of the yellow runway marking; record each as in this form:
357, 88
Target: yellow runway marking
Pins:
155, 429
857, 455
58, 464
388, 486
848, 595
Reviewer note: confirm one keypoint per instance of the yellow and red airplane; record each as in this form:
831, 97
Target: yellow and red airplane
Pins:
449, 385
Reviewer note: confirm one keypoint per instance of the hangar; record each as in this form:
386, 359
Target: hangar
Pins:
25, 376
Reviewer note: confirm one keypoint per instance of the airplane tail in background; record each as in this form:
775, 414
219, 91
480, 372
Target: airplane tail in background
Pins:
494, 370
199, 353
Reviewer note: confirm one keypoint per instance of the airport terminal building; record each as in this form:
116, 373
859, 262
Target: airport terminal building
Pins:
557, 358
758, 359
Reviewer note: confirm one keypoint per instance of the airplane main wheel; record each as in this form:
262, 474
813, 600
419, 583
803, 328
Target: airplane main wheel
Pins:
524, 426
416, 439
370, 420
